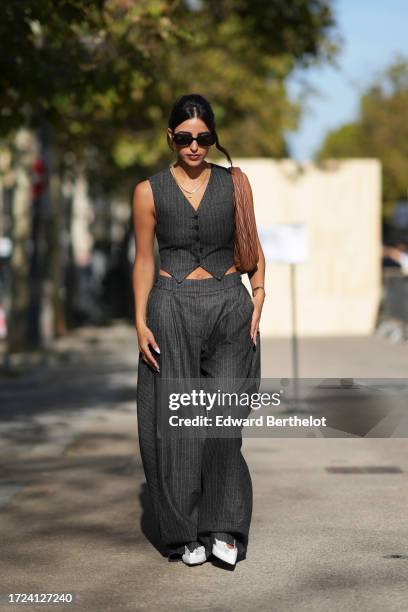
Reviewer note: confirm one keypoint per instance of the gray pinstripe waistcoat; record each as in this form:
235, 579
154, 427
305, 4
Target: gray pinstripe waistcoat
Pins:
187, 238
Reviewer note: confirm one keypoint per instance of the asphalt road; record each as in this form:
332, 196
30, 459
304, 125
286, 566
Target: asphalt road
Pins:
329, 528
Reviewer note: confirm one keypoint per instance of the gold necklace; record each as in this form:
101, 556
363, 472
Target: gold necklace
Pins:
189, 193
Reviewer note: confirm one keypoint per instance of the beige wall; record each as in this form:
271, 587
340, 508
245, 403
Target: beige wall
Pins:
339, 286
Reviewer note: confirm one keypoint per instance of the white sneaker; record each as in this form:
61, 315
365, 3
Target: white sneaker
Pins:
223, 552
195, 556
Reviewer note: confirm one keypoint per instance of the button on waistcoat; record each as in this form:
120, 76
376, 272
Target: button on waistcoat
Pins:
189, 238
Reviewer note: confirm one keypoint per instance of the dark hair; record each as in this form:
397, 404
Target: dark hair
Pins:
194, 105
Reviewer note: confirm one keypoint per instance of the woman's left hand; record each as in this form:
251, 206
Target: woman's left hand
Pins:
258, 301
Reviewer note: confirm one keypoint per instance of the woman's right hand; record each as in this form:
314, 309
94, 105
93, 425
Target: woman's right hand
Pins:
145, 338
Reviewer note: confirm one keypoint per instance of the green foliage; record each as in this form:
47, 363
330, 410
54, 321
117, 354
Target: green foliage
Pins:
381, 130
300, 28
106, 73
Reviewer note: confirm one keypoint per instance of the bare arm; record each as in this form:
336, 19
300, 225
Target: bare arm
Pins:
144, 222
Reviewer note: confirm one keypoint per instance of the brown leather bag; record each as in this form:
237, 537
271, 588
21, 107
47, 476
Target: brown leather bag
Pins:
246, 236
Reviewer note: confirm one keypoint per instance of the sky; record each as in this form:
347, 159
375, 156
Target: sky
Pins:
374, 32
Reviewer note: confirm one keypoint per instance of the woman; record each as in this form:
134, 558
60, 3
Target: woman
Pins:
196, 320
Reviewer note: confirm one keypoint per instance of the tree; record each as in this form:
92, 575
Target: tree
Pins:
106, 72
101, 76
380, 130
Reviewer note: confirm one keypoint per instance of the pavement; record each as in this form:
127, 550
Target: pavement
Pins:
329, 528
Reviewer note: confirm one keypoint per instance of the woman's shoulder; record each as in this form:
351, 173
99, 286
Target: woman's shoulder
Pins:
158, 175
222, 172
149, 182
219, 168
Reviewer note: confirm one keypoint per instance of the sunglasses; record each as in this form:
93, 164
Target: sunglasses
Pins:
184, 139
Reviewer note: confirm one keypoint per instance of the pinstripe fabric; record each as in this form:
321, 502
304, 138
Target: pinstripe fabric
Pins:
188, 238
198, 486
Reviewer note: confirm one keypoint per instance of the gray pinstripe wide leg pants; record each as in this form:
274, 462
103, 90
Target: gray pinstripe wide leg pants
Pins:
198, 486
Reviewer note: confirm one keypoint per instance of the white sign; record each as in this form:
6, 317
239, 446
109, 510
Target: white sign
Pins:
285, 242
